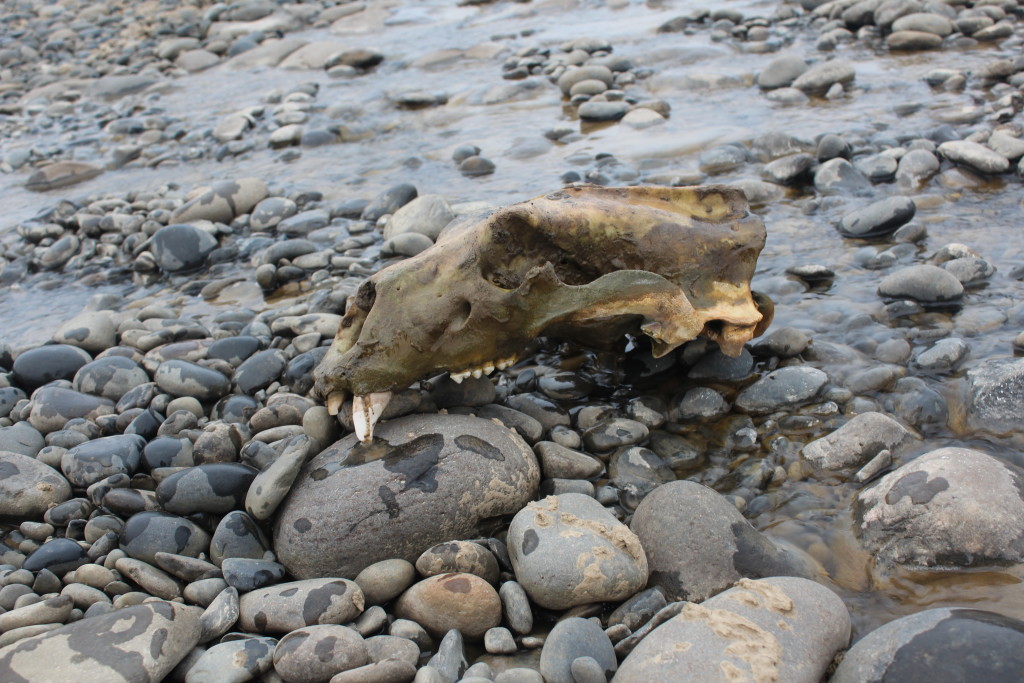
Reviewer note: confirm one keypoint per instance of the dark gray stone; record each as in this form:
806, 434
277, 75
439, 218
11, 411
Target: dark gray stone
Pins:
925, 283
111, 377
288, 606
571, 639
781, 389
148, 533
181, 248
98, 459
182, 378
36, 367
878, 219
28, 488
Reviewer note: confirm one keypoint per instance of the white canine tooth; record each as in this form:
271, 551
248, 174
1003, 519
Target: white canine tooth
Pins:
366, 410
334, 401
477, 373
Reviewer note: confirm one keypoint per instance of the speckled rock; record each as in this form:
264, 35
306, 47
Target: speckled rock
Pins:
974, 155
93, 331
28, 488
148, 533
944, 644
222, 202
98, 459
21, 438
698, 544
288, 606
458, 556
451, 601
424, 479
316, 653
238, 535
141, 643
857, 441
569, 550
821, 76
428, 214
779, 628
110, 377
571, 639
180, 248
182, 378
952, 507
247, 574
991, 397
214, 487
233, 661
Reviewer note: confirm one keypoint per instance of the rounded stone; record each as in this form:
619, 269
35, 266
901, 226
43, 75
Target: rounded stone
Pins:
424, 479
28, 488
315, 653
222, 202
98, 459
451, 601
857, 441
110, 377
944, 644
147, 533
182, 378
951, 507
271, 211
36, 367
213, 487
779, 628
821, 76
991, 398
385, 580
783, 388
569, 550
93, 331
781, 72
878, 219
426, 215
458, 556
975, 155
570, 640
697, 543
925, 283
181, 248
238, 535
140, 643
288, 606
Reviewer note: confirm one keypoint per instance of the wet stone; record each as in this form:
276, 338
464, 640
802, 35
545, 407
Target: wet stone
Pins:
716, 366
992, 397
167, 451
697, 543
952, 507
924, 283
389, 201
878, 219
61, 174
938, 644
364, 490
181, 248
839, 176
780, 389
150, 532
944, 354
821, 76
781, 72
426, 215
43, 364
975, 156
637, 471
803, 623
970, 270
856, 442
111, 377
316, 653
571, 639
569, 550
28, 488
92, 461
557, 461
288, 606
223, 201
614, 433
451, 601
271, 211
603, 111
137, 643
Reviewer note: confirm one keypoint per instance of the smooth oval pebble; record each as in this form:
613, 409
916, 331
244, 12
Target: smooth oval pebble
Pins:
316, 653
451, 601
28, 488
288, 606
213, 487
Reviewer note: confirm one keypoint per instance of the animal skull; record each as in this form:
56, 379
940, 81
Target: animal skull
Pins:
584, 263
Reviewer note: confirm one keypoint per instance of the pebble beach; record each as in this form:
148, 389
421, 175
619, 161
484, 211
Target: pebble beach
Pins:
192, 192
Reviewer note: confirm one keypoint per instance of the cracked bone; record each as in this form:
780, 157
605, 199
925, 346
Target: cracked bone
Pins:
588, 264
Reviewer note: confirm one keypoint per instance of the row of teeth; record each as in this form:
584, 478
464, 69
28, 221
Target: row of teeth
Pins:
366, 410
480, 371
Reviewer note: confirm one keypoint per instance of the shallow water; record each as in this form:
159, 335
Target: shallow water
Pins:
415, 146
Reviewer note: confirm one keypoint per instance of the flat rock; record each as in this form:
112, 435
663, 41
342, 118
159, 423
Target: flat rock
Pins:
569, 550
821, 76
52, 407
974, 155
140, 643
944, 644
182, 378
781, 72
952, 507
181, 247
857, 441
423, 480
878, 219
779, 628
697, 543
110, 377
